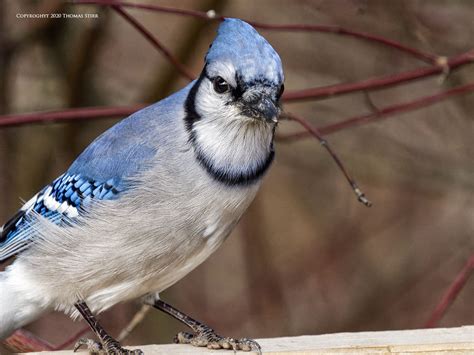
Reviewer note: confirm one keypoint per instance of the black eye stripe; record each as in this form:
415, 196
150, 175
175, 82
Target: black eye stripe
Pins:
237, 92
281, 91
241, 87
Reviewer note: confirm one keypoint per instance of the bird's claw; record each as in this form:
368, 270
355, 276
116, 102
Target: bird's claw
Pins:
93, 346
109, 348
212, 340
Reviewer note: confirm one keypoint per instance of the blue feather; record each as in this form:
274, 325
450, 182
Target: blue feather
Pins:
252, 56
64, 199
106, 168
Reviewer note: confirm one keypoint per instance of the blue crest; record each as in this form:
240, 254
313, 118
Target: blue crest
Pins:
240, 45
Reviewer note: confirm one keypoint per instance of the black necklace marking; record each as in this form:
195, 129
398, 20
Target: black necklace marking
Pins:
191, 114
217, 173
243, 178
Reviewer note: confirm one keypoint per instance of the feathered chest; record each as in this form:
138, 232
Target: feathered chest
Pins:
200, 207
184, 228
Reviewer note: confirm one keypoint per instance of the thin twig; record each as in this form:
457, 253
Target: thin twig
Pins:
379, 82
158, 45
424, 56
382, 113
158, 8
136, 320
316, 133
451, 293
87, 113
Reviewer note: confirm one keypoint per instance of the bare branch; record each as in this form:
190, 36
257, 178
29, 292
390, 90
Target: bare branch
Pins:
381, 81
317, 134
158, 45
109, 112
157, 8
382, 113
88, 113
440, 65
24, 341
451, 293
136, 320
424, 56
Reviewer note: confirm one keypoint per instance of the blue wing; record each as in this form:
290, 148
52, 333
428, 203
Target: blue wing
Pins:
60, 202
109, 162
103, 171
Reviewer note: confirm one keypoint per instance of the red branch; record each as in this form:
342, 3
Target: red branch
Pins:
439, 64
22, 341
158, 8
425, 56
451, 293
317, 134
382, 113
67, 115
381, 81
158, 45
109, 112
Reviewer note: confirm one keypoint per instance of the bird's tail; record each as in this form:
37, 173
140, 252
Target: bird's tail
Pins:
16, 308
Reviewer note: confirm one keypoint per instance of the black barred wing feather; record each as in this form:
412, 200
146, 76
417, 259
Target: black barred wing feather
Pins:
63, 200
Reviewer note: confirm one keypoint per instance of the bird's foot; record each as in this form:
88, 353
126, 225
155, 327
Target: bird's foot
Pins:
109, 347
206, 337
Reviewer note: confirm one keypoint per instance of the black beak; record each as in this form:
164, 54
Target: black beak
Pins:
261, 107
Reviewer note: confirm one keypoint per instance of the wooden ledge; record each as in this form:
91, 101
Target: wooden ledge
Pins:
452, 341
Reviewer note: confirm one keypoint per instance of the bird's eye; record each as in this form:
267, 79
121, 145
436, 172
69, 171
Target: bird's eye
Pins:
280, 92
220, 85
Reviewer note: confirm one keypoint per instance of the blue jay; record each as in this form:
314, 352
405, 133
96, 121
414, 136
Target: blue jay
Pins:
150, 199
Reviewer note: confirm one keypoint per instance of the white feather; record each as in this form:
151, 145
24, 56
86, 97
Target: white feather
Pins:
234, 142
28, 205
50, 202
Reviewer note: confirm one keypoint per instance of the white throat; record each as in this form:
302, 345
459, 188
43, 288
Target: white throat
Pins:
237, 145
233, 148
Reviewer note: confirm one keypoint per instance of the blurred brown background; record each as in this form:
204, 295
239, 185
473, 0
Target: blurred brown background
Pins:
307, 258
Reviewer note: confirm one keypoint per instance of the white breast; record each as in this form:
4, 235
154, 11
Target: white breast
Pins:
141, 243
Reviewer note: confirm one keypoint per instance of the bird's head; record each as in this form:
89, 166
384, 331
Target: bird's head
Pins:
233, 107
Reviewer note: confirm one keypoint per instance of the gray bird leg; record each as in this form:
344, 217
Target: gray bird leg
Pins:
107, 345
203, 336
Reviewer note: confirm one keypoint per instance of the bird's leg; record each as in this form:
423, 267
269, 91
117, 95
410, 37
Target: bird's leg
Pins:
203, 335
107, 344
